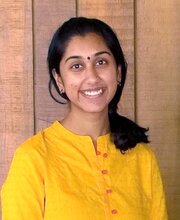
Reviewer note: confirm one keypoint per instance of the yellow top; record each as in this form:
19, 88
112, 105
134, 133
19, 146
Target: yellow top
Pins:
57, 175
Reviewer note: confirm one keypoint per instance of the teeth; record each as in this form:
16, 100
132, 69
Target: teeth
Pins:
93, 93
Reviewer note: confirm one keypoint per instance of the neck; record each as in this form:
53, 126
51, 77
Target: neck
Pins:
89, 124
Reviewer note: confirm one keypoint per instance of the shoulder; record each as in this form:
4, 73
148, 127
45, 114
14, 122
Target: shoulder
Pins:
32, 144
144, 154
30, 157
36, 144
143, 149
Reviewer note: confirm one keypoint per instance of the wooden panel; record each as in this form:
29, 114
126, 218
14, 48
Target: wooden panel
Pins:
158, 88
119, 15
48, 15
16, 79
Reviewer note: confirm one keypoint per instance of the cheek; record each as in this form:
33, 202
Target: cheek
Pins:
112, 74
112, 79
74, 87
71, 89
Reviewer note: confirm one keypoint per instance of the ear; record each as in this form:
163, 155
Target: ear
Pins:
119, 73
58, 80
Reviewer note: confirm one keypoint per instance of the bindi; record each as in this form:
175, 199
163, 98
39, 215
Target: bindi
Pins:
88, 58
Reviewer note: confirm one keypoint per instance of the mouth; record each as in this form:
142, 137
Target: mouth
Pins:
92, 92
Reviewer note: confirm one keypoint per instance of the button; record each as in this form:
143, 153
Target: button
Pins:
109, 190
98, 152
105, 155
104, 171
114, 211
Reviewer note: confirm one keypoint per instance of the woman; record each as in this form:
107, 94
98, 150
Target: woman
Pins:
94, 164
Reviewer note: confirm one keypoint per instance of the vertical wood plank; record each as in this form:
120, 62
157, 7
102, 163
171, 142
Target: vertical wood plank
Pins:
158, 88
16, 79
120, 16
48, 16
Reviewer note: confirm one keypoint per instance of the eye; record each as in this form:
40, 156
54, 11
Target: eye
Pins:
101, 62
76, 66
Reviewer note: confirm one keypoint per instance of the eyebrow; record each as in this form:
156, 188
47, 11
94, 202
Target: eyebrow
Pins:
102, 52
96, 54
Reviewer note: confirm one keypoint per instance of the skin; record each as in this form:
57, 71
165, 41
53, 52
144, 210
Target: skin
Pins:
89, 76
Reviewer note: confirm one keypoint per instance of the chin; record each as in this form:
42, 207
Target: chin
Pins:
95, 109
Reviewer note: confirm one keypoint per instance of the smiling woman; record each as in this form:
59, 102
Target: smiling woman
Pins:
94, 158
89, 84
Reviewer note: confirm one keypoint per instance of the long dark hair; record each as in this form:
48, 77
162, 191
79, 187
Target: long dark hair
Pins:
124, 132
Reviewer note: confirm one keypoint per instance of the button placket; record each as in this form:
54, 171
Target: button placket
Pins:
103, 155
109, 191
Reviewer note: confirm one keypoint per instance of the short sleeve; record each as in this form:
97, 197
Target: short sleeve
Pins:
23, 191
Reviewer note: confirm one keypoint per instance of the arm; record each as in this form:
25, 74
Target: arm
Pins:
23, 192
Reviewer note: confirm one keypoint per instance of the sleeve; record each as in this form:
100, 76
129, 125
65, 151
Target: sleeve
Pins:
158, 208
23, 191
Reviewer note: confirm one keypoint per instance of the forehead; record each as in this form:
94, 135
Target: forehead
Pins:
86, 44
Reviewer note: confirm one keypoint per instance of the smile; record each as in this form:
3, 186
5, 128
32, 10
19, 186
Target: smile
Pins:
92, 93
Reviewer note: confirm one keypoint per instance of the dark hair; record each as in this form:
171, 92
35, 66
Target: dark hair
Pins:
125, 133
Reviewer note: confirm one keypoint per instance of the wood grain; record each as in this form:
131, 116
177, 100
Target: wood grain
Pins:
120, 16
48, 16
16, 79
158, 88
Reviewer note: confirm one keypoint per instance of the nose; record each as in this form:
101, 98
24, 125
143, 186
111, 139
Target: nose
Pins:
92, 75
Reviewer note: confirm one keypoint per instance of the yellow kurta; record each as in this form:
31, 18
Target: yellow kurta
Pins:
57, 175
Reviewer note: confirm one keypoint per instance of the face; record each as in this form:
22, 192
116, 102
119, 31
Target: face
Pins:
88, 74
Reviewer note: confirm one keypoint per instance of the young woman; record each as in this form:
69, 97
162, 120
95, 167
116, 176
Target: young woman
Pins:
94, 164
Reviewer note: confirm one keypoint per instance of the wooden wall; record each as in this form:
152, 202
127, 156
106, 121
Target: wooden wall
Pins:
149, 32
16, 78
158, 88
